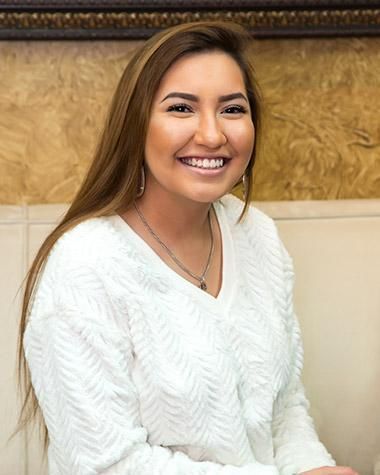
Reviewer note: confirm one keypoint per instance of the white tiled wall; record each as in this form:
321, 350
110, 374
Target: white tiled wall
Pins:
22, 230
336, 252
12, 263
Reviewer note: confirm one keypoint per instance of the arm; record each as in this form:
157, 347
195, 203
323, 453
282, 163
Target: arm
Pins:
80, 362
297, 447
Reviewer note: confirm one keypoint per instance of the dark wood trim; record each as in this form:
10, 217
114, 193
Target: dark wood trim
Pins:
137, 19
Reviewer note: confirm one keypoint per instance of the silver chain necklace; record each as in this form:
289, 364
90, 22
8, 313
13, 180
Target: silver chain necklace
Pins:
200, 278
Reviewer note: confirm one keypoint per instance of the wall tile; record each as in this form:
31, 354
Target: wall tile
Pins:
36, 235
280, 210
46, 213
12, 213
11, 274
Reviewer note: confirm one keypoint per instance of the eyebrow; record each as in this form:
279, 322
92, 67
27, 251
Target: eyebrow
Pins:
193, 98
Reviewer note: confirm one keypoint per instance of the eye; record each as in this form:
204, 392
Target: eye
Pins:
235, 109
182, 108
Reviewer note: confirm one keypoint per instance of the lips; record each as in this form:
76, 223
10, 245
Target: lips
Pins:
206, 163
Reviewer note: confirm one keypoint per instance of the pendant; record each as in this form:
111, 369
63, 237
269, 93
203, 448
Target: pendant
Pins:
203, 284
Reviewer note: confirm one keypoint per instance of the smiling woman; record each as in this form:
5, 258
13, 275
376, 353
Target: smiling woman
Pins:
198, 145
160, 335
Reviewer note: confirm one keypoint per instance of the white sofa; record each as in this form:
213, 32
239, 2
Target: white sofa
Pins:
336, 250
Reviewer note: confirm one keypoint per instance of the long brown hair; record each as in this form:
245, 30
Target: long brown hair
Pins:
112, 180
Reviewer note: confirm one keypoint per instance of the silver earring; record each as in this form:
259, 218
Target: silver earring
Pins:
142, 183
245, 186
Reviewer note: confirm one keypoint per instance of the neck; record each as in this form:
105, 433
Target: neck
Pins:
178, 220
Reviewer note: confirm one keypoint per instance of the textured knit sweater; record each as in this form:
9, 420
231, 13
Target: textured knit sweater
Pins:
140, 372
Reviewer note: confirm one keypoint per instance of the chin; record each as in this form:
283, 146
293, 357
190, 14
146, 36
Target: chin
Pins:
207, 197
201, 192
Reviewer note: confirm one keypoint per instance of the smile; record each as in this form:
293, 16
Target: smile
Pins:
204, 163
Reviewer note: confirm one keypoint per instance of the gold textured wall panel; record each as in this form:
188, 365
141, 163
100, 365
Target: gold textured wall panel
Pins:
321, 136
322, 133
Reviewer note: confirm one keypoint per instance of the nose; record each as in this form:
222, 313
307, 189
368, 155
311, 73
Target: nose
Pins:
209, 132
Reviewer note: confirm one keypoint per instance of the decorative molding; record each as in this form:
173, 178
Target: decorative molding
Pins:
137, 19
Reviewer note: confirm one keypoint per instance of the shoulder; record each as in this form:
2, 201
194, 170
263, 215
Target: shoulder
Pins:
81, 270
86, 243
84, 256
257, 235
254, 223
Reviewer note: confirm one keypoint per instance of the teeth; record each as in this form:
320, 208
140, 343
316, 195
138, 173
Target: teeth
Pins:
204, 163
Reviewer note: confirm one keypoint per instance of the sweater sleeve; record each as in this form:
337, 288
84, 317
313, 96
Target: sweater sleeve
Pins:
80, 361
297, 446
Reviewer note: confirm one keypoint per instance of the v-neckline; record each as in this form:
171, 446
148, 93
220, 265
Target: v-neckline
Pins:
228, 283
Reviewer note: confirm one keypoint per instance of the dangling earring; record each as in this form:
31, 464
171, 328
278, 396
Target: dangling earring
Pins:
142, 183
245, 186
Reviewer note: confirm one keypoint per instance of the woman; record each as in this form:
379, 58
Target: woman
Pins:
161, 337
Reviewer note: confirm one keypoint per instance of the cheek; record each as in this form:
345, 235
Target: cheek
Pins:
166, 136
242, 138
156, 137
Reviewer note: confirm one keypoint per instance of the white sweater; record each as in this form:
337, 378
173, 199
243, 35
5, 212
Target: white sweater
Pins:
139, 372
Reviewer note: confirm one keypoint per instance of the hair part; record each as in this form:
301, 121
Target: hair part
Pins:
112, 181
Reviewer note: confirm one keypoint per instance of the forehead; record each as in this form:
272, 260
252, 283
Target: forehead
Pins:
214, 70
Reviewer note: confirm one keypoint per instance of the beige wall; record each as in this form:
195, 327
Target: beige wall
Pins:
336, 251
321, 97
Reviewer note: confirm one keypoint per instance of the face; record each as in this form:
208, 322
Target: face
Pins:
200, 136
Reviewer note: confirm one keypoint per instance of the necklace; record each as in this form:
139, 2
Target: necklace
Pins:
200, 278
